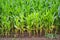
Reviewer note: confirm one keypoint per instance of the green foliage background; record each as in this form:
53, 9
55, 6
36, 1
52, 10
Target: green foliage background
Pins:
29, 14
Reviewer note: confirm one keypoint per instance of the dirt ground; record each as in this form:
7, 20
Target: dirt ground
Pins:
27, 39
31, 38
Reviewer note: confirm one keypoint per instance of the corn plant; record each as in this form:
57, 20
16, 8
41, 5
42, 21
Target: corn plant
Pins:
36, 22
29, 22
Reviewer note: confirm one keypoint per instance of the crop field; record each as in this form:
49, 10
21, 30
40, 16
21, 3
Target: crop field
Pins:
20, 18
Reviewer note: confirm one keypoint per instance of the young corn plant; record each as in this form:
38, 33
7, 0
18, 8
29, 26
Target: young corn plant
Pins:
29, 22
16, 25
5, 25
22, 23
36, 22
49, 22
41, 27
